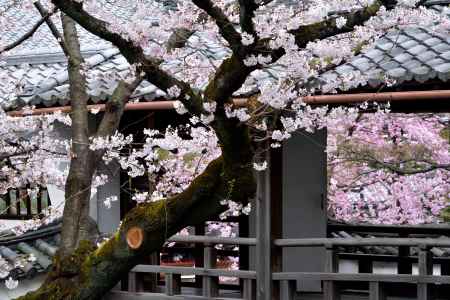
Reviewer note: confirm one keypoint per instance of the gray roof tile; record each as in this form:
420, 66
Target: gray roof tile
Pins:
41, 243
444, 68
403, 57
426, 56
416, 50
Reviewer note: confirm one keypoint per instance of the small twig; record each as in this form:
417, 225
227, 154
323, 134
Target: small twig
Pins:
52, 27
29, 34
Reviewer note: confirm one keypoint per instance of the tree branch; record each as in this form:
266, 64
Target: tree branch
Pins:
247, 12
52, 28
133, 53
115, 107
226, 28
27, 35
327, 28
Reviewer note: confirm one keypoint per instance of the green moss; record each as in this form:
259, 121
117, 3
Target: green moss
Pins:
445, 133
163, 154
60, 289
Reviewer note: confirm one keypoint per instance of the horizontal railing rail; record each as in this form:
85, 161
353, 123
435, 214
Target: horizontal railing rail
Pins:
200, 239
194, 271
209, 272
360, 242
398, 278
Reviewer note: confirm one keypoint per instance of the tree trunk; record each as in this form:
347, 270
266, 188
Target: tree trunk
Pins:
89, 273
77, 225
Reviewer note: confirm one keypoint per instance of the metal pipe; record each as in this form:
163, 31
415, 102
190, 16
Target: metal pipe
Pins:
140, 106
436, 95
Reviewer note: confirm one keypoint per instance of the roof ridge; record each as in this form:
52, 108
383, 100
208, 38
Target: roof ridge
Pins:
436, 2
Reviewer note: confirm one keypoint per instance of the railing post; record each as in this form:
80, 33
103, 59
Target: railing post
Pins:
173, 284
330, 289
210, 284
269, 225
288, 289
135, 283
404, 265
425, 268
376, 291
248, 291
263, 245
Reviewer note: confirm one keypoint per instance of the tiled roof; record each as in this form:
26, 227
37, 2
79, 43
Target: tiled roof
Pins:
21, 20
44, 80
29, 254
416, 54
410, 54
384, 250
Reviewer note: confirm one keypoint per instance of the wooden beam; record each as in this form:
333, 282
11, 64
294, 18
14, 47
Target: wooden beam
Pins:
263, 257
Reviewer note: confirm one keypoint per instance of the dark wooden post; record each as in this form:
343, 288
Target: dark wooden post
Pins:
376, 291
288, 289
8, 204
199, 254
248, 289
263, 245
173, 284
404, 265
17, 199
210, 284
268, 226
330, 289
425, 268
28, 205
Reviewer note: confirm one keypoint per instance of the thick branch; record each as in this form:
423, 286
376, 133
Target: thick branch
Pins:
115, 107
226, 28
246, 13
327, 28
101, 269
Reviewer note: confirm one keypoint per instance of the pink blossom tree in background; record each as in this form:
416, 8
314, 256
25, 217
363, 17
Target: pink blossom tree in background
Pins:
257, 36
389, 168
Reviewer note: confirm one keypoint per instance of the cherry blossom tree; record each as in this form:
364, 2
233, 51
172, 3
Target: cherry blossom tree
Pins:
258, 35
389, 168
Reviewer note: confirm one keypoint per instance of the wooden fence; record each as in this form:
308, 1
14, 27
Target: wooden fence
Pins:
17, 204
287, 281
330, 277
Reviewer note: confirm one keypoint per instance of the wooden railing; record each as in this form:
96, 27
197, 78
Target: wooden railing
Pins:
331, 278
287, 281
209, 272
18, 205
